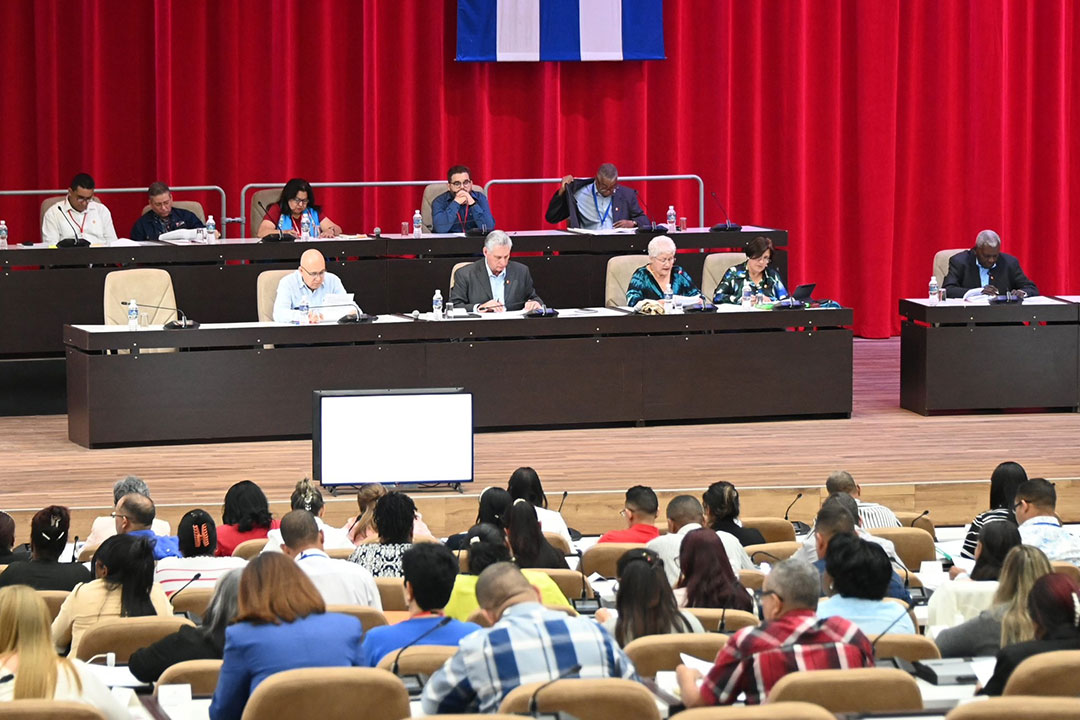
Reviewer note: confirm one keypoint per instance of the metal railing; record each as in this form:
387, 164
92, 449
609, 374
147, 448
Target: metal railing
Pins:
212, 188
538, 181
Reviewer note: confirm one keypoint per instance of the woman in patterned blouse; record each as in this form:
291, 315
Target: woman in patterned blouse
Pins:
393, 520
755, 272
660, 276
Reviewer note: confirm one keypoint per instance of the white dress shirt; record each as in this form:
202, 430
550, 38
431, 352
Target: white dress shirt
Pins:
63, 221
551, 521
807, 552
340, 582
668, 546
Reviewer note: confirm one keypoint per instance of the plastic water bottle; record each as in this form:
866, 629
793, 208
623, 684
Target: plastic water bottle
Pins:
3, 234
672, 219
133, 315
417, 224
304, 310
935, 291
305, 227
747, 296
669, 302
437, 306
211, 229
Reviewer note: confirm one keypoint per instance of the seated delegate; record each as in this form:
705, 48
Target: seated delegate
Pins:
162, 217
763, 281
660, 276
598, 203
307, 287
986, 267
286, 216
79, 216
461, 208
495, 283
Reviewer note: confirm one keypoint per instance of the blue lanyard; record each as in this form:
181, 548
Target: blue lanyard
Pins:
596, 203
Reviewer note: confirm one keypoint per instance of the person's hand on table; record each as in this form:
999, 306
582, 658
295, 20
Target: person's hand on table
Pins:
956, 571
602, 615
314, 317
532, 305
1018, 294
625, 224
491, 306
990, 290
290, 231
330, 232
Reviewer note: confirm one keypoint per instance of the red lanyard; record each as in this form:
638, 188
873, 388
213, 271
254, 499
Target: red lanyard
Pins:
466, 220
83, 223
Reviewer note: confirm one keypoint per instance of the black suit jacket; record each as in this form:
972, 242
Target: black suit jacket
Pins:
624, 205
1009, 657
746, 536
472, 286
1006, 275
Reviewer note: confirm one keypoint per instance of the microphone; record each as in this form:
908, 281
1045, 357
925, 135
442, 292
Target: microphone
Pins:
182, 324
359, 317
658, 229
274, 236
763, 552
564, 494
414, 684
70, 242
924, 514
584, 605
801, 528
722, 626
562, 676
183, 587
377, 232
873, 643
727, 224
74, 549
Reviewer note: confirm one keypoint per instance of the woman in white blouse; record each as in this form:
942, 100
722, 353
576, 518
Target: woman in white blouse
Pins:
525, 483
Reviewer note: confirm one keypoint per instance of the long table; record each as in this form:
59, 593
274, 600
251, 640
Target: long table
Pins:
961, 355
586, 367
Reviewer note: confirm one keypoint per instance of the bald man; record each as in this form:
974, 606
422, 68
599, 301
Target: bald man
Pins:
307, 287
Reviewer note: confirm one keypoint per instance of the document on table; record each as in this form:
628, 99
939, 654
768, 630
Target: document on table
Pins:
335, 306
611, 231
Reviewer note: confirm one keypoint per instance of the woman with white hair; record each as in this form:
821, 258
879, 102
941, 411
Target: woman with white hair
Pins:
105, 527
660, 276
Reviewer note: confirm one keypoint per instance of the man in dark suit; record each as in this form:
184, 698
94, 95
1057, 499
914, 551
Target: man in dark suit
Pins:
986, 267
598, 203
495, 283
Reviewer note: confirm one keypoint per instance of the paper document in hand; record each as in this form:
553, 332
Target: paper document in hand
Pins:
335, 306
686, 300
694, 663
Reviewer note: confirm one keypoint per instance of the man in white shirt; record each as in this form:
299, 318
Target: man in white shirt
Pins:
871, 515
340, 582
807, 552
79, 216
307, 286
684, 513
1036, 500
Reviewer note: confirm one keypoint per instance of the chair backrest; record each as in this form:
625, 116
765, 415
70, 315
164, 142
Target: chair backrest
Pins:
919, 520
419, 659
192, 600
53, 600
477, 617
149, 286
849, 691
201, 675
49, 710
604, 699
768, 711
329, 693
193, 206
619, 271
772, 552
125, 635
559, 542
941, 263
1051, 673
1066, 568
87, 553
249, 548
773, 529
653, 653
341, 554
752, 579
906, 646
723, 620
570, 582
603, 557
1010, 708
453, 272
369, 617
913, 545
392, 593
267, 197
431, 192
266, 286
716, 264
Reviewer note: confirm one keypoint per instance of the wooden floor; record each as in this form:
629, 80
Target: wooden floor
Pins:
898, 456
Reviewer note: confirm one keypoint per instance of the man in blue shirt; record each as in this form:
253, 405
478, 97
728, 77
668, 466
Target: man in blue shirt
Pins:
162, 217
461, 208
133, 515
307, 287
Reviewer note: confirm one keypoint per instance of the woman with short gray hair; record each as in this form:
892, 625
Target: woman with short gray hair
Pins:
104, 526
661, 276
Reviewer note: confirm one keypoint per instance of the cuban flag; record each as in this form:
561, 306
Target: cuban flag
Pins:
542, 30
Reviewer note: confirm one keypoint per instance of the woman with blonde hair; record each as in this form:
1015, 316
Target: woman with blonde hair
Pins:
360, 529
306, 496
30, 669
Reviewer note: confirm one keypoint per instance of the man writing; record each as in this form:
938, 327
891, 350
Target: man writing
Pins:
461, 208
987, 269
162, 217
77, 218
495, 283
133, 515
340, 582
307, 287
598, 203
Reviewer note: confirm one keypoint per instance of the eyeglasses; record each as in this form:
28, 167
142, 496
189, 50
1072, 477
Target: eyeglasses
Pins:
81, 199
765, 593
763, 259
320, 273
461, 183
115, 515
299, 201
1018, 504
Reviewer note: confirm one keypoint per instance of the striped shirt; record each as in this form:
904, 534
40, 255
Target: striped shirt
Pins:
872, 515
972, 538
173, 572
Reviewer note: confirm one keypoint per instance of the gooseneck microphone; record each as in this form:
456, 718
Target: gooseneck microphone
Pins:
182, 324
873, 644
800, 527
564, 494
765, 553
184, 587
415, 640
657, 229
727, 224
74, 549
573, 670
920, 517
76, 241
274, 236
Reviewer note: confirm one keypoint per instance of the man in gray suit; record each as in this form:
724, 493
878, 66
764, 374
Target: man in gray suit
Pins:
495, 283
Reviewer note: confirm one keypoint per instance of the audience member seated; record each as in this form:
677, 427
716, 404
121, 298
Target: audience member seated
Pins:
1054, 606
527, 543
639, 511
197, 539
48, 540
764, 282
206, 642
661, 276
308, 497
494, 504
486, 546
393, 521
1003, 483
105, 525
29, 666
1007, 622
808, 551
684, 514
959, 599
525, 483
996, 539
360, 528
7, 541
791, 639
281, 624
871, 515
721, 503
1036, 500
707, 579
286, 215
599, 203
125, 587
461, 207
527, 643
987, 271
340, 582
644, 603
859, 574
429, 570
245, 516
134, 514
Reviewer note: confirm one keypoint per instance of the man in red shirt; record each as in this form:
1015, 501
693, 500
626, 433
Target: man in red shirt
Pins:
639, 511
792, 638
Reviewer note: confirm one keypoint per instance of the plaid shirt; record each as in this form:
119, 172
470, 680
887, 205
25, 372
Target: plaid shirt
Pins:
529, 644
755, 658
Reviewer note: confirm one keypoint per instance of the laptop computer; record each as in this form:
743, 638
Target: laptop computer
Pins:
803, 292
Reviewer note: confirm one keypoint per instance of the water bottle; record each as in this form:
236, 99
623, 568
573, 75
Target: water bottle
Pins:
669, 302
305, 227
935, 291
211, 228
417, 224
747, 296
133, 315
672, 219
3, 235
437, 306
305, 312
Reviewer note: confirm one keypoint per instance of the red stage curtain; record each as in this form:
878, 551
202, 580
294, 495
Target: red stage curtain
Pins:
875, 131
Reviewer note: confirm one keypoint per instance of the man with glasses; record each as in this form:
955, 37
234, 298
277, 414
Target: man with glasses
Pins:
1035, 505
162, 217
77, 218
639, 511
305, 288
791, 639
133, 515
461, 208
598, 203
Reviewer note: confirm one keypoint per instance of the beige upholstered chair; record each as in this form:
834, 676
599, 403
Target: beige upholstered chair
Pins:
603, 557
559, 542
653, 653
392, 593
267, 197
1026, 707
768, 711
266, 292
921, 521
149, 286
772, 552
570, 582
606, 699
941, 263
855, 690
913, 545
716, 264
53, 600
431, 192
125, 635
329, 693
341, 554
905, 646
619, 271
189, 205
477, 617
722, 619
369, 617
201, 675
752, 579
773, 529
453, 272
419, 659
1051, 673
249, 548
48, 710
1066, 568
478, 716
87, 553
192, 600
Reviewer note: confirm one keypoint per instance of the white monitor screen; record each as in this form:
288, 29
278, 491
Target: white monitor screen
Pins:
398, 437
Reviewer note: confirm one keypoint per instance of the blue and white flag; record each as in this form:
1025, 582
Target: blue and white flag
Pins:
534, 30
